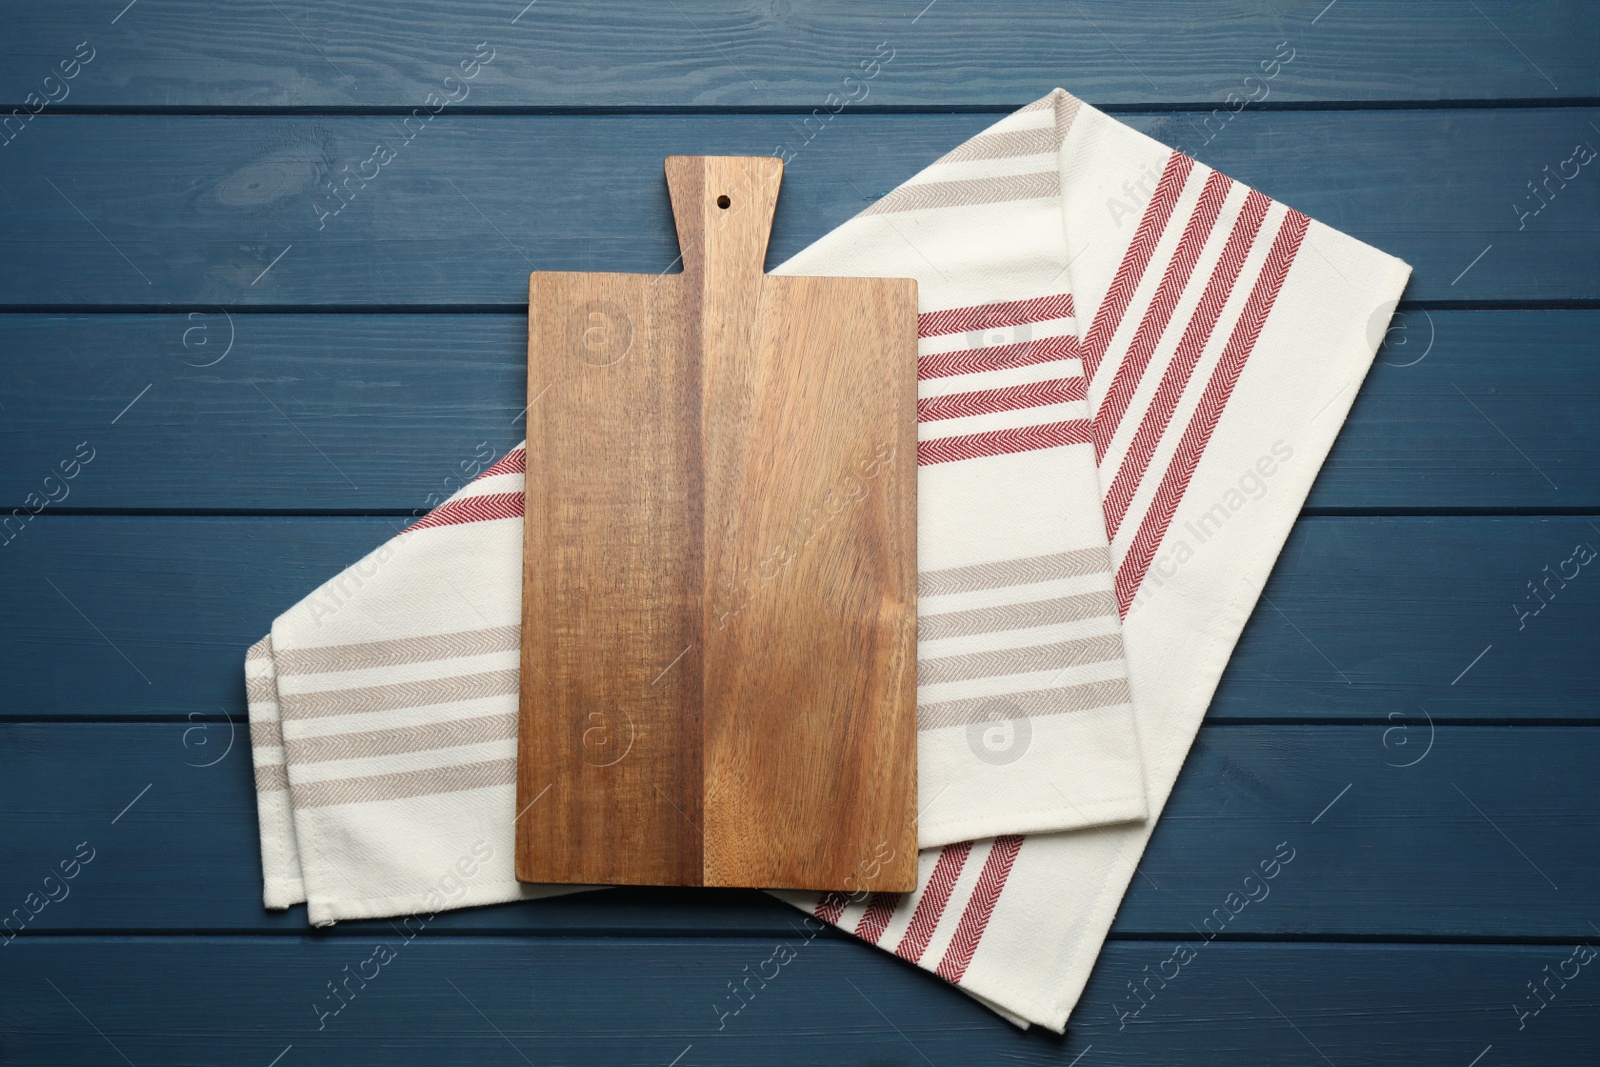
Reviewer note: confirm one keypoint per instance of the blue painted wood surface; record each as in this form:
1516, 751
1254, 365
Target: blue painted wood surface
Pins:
234, 391
1368, 615
574, 1000
294, 418
783, 53
460, 214
1385, 861
580, 1000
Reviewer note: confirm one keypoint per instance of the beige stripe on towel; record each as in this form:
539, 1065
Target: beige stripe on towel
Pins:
423, 738
417, 694
398, 650
1053, 656
1018, 616
1036, 186
1004, 145
1006, 572
266, 733
403, 784
271, 776
1038, 702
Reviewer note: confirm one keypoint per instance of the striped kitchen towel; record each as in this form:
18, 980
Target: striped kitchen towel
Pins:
1122, 351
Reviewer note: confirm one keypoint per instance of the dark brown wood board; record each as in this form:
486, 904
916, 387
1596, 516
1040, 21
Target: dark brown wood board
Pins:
719, 589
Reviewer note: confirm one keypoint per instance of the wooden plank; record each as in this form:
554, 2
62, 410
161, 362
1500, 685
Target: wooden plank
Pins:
1428, 617
407, 406
1404, 853
1367, 615
601, 1001
1472, 410
682, 427
235, 210
269, 399
703, 54
611, 581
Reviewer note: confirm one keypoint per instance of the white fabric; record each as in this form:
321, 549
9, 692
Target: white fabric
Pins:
1131, 370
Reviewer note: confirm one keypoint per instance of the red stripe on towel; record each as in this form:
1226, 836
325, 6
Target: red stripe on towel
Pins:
876, 919
1006, 398
975, 919
1003, 442
996, 357
1198, 434
472, 509
935, 895
1134, 261
1176, 379
994, 316
1156, 317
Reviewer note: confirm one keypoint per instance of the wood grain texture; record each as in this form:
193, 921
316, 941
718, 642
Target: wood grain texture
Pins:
203, 219
611, 582
632, 1000
699, 53
720, 565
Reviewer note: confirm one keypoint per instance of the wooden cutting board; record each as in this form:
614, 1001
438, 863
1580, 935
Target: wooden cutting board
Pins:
719, 585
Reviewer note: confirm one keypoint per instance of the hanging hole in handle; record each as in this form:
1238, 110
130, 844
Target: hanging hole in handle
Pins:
723, 201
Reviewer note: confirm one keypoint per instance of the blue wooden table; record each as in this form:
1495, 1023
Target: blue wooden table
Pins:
256, 383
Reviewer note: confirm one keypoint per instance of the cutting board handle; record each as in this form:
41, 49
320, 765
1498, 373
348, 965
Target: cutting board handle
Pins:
723, 208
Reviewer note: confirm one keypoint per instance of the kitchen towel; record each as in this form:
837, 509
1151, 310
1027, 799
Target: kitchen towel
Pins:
1131, 368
